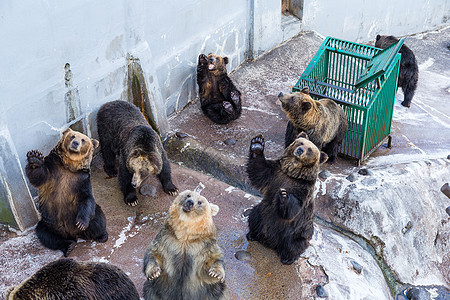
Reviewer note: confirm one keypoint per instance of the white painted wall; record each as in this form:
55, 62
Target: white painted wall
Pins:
361, 21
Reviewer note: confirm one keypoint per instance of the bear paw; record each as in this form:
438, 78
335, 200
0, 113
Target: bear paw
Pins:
217, 272
131, 199
170, 189
250, 237
257, 145
235, 97
287, 260
35, 158
228, 107
283, 195
202, 59
111, 171
406, 104
153, 272
81, 224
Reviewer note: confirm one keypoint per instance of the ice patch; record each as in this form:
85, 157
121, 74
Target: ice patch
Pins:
199, 188
426, 64
230, 189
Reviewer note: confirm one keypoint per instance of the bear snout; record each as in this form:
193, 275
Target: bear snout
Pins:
187, 205
299, 151
280, 94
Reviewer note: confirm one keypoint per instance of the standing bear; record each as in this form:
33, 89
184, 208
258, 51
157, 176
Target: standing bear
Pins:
220, 100
323, 121
409, 71
123, 131
66, 203
184, 260
283, 220
68, 279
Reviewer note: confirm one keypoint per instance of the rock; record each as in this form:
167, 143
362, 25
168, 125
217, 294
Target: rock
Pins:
352, 177
246, 212
181, 135
448, 210
148, 190
365, 172
320, 291
418, 294
448, 156
229, 142
324, 174
446, 189
243, 255
407, 227
357, 267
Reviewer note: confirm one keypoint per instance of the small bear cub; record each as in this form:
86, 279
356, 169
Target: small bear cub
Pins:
220, 100
283, 220
184, 261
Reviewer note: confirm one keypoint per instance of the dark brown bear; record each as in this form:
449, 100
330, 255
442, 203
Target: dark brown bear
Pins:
409, 71
220, 100
323, 120
68, 279
66, 203
123, 131
184, 260
283, 220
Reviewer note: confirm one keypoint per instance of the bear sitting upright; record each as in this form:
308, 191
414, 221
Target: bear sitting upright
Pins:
220, 100
66, 202
184, 260
123, 131
283, 220
68, 279
409, 71
324, 121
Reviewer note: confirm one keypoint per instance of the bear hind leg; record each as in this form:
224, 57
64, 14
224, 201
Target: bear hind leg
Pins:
290, 251
53, 240
109, 159
408, 92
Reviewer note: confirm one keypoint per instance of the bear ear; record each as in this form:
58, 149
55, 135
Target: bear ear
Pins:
378, 37
323, 157
66, 131
305, 90
95, 143
306, 106
214, 209
303, 135
225, 60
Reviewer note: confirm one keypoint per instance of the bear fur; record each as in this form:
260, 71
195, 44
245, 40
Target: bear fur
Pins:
66, 203
220, 100
409, 71
68, 279
184, 260
123, 131
283, 220
323, 121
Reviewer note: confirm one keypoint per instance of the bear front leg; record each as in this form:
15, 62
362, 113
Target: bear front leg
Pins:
35, 169
125, 177
151, 267
288, 205
202, 70
259, 170
166, 177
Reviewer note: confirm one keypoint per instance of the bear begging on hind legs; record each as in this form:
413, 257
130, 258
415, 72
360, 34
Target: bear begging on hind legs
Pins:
283, 220
123, 131
220, 100
409, 71
66, 203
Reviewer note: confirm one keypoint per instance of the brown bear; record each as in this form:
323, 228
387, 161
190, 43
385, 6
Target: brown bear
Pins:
68, 279
409, 71
220, 100
66, 203
123, 131
283, 220
184, 260
323, 121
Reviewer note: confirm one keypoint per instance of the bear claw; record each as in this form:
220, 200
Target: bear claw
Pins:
284, 194
202, 59
257, 145
228, 107
154, 273
216, 274
35, 158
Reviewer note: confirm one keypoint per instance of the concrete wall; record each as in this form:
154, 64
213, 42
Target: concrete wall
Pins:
61, 60
361, 21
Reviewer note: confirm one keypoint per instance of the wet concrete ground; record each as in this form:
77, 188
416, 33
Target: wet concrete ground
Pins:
259, 275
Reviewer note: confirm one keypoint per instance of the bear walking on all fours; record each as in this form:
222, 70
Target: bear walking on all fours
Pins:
123, 131
184, 260
323, 120
409, 71
66, 203
68, 279
220, 100
283, 220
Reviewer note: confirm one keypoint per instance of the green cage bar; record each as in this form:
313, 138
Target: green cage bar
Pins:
334, 72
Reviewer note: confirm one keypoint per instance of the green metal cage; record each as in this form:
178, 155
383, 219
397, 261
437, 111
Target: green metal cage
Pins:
363, 81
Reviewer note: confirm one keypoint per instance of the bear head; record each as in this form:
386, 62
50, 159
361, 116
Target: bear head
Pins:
143, 164
217, 64
383, 41
190, 216
302, 159
75, 149
299, 107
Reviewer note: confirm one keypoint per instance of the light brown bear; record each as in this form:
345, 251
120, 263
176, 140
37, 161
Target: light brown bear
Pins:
68, 279
184, 260
323, 121
66, 202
